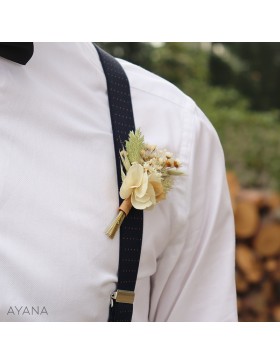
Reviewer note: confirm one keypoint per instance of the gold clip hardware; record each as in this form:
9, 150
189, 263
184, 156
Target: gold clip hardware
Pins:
122, 296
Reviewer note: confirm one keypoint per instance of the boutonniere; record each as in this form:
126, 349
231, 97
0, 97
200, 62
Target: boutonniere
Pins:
147, 175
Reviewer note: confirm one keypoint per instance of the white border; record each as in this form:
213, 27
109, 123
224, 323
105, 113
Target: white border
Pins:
135, 343
138, 21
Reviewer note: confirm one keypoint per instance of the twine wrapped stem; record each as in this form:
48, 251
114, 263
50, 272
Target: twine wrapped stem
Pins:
124, 209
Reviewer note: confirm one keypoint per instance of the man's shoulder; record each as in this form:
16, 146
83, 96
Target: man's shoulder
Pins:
169, 109
155, 87
165, 96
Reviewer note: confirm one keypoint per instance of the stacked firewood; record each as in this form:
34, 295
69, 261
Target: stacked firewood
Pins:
257, 226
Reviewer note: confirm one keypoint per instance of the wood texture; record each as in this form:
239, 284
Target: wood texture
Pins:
257, 223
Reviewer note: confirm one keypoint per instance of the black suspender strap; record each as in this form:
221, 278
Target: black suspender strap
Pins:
131, 230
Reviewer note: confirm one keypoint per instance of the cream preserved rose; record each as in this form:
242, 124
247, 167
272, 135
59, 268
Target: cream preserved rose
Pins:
145, 190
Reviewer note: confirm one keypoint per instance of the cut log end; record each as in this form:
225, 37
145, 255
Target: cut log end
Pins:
246, 219
267, 241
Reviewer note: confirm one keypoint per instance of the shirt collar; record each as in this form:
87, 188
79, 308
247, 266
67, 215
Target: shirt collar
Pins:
19, 52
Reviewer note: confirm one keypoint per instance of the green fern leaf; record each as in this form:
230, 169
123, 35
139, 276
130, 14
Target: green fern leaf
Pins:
134, 145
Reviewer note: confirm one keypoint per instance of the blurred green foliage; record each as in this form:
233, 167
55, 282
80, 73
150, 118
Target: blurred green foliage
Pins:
252, 68
213, 75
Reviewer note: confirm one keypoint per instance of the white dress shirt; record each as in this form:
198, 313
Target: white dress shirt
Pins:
58, 193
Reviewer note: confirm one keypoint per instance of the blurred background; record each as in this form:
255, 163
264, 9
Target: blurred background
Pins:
237, 85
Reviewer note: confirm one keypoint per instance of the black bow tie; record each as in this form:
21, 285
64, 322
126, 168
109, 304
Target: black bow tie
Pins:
19, 52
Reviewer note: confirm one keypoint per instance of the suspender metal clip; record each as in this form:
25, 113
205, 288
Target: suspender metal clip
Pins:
122, 296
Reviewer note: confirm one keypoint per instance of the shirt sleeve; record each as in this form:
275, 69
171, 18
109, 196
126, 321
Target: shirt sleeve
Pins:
195, 276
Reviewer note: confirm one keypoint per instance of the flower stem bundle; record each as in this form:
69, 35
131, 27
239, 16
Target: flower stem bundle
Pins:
124, 209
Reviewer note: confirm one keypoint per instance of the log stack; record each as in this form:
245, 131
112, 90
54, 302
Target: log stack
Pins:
257, 226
